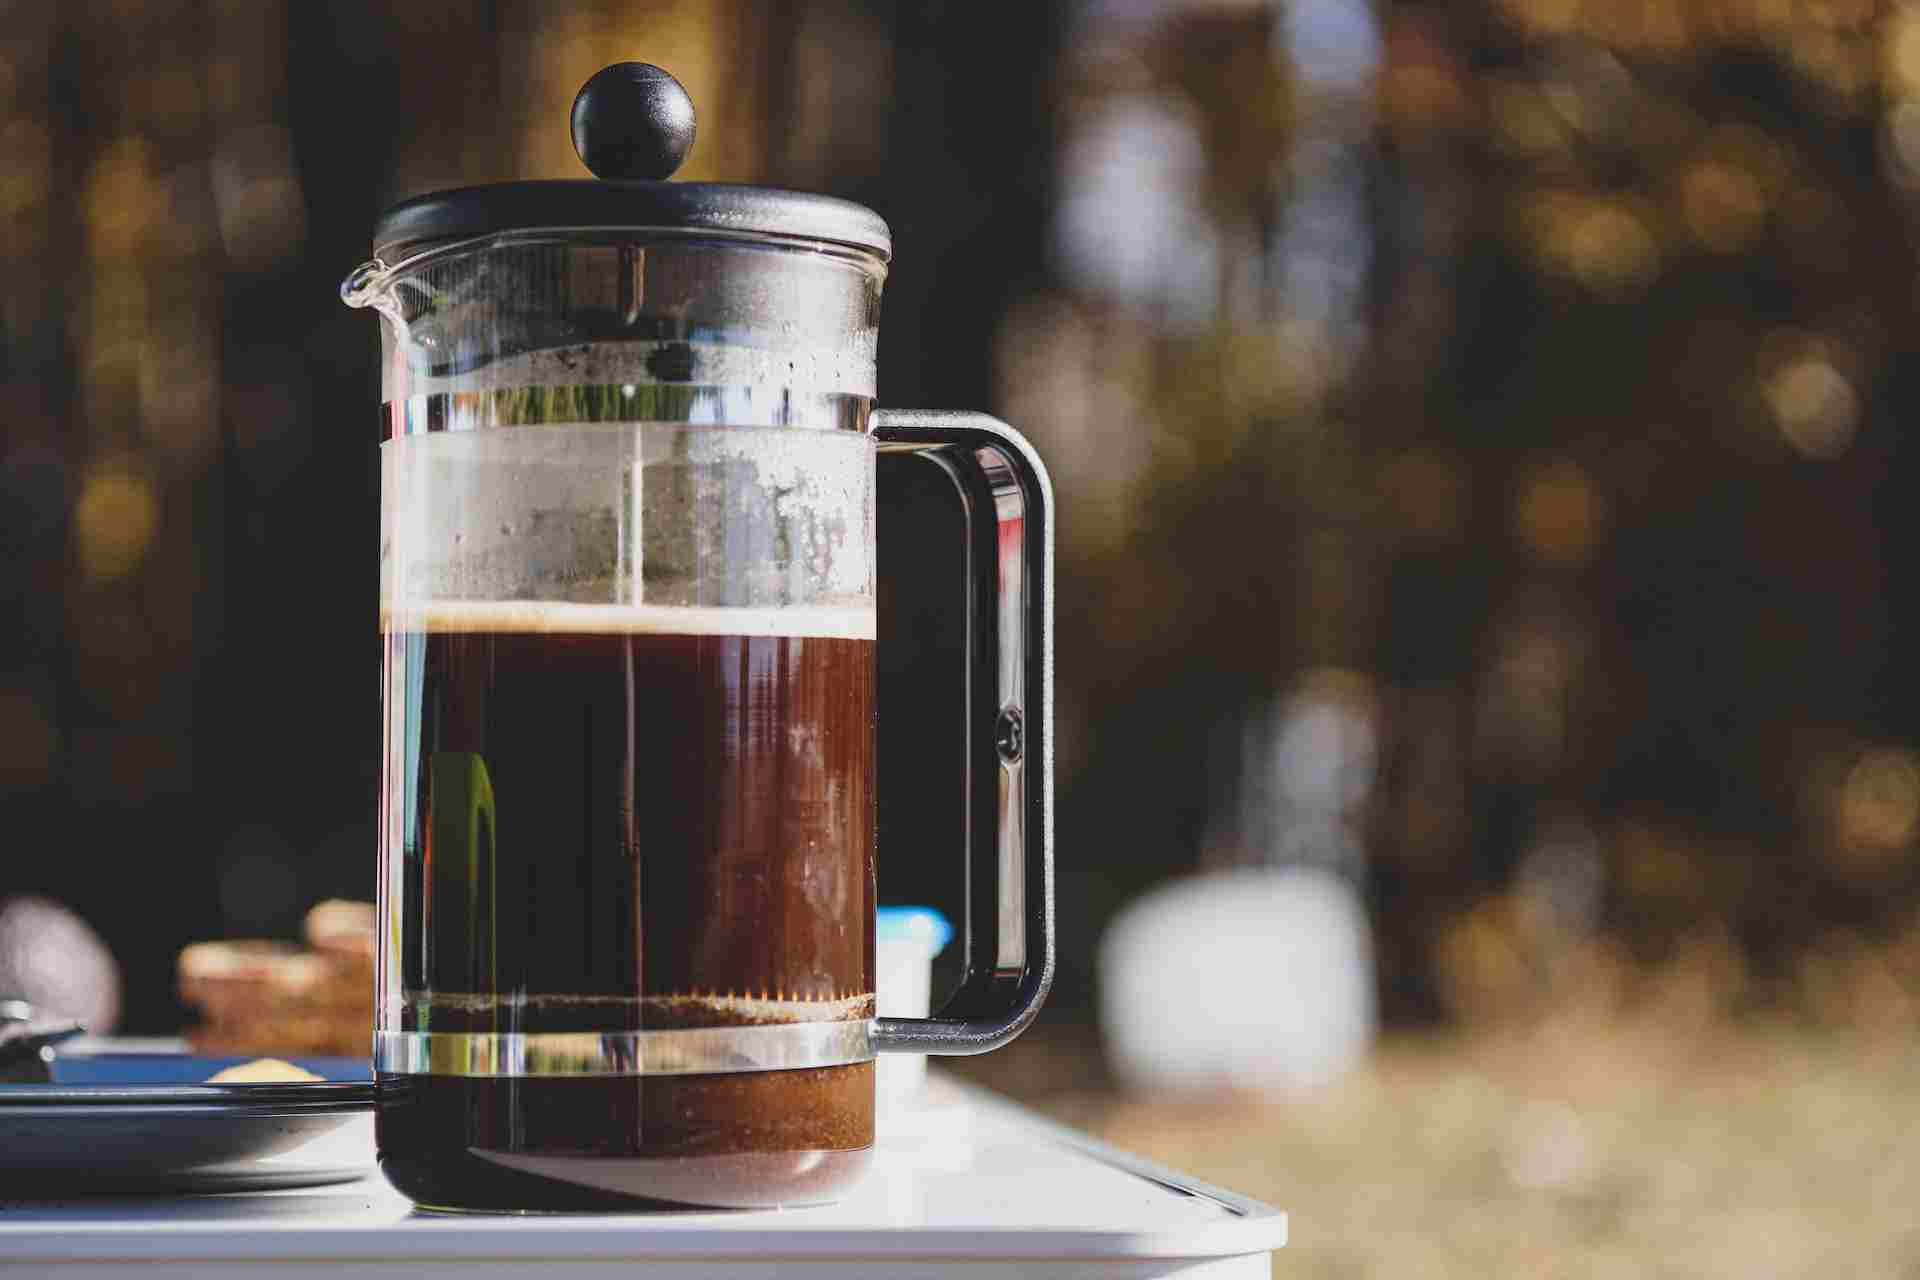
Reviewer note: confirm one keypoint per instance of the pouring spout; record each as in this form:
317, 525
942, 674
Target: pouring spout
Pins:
366, 285
371, 285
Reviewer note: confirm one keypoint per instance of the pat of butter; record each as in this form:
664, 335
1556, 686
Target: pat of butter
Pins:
262, 1071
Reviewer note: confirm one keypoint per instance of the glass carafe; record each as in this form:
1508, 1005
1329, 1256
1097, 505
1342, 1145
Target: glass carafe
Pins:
627, 583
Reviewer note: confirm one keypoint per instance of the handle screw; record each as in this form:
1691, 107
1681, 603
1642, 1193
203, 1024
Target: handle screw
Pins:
1010, 735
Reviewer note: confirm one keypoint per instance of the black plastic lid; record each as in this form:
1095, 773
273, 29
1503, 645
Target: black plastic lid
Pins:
632, 126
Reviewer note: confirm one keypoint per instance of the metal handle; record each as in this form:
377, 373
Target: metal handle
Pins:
1007, 932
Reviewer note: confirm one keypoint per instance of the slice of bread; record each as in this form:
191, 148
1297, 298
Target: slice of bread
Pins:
263, 1071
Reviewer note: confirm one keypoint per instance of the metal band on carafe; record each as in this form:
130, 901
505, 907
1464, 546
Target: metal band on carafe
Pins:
675, 1052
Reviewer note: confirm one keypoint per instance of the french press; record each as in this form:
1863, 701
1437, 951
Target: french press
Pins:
627, 573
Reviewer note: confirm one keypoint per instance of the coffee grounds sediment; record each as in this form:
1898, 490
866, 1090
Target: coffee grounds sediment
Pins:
585, 1142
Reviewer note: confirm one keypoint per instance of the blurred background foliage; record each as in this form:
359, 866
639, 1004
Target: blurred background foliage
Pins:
1476, 427
1514, 393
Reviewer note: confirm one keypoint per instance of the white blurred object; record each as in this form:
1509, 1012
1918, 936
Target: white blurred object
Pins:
1306, 765
1131, 174
53, 959
1251, 979
906, 940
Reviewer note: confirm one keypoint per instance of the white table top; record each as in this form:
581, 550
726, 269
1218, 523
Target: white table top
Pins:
963, 1184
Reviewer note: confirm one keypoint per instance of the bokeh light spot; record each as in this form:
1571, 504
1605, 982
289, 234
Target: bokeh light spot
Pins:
262, 209
1815, 405
114, 522
1659, 866
178, 393
1428, 490
120, 198
1610, 248
1558, 513
1523, 121
1901, 54
1903, 144
1879, 802
1723, 205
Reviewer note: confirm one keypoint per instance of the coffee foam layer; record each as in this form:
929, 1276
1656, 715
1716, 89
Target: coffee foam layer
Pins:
829, 621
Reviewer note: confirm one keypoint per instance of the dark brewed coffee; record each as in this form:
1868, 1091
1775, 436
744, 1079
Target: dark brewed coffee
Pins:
622, 819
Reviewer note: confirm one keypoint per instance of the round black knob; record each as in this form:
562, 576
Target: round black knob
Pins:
632, 121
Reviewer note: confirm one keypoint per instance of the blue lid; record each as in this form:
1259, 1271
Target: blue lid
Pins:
923, 925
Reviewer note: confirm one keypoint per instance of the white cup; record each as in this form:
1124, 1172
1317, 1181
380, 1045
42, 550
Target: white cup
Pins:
1259, 979
906, 940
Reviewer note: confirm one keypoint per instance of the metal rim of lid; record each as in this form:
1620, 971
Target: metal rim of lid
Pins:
441, 217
